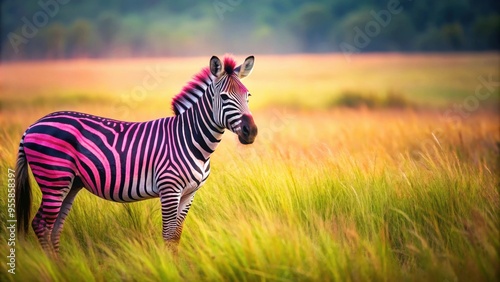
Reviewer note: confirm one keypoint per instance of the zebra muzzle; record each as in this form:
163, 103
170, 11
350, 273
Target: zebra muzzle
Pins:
248, 130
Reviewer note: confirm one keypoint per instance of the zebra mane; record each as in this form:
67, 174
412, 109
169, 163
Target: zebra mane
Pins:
195, 88
229, 64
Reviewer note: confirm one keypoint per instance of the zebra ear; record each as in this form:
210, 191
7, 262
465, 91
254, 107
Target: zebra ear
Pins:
215, 65
246, 68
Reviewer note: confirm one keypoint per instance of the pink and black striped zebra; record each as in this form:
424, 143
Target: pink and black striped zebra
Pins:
122, 161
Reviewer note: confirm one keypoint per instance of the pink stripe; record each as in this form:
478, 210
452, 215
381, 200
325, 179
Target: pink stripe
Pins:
49, 197
63, 146
87, 144
107, 166
128, 162
31, 156
52, 204
43, 158
58, 183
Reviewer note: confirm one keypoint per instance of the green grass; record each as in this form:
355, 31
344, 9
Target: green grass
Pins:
301, 213
387, 193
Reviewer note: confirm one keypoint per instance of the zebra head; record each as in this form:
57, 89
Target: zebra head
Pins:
230, 99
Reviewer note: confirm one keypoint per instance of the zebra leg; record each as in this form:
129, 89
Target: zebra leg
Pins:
38, 226
47, 214
44, 222
184, 205
169, 205
65, 208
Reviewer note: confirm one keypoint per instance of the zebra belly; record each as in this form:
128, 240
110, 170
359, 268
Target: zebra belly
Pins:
124, 186
126, 198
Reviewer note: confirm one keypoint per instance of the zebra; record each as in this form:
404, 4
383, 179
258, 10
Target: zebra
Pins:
123, 161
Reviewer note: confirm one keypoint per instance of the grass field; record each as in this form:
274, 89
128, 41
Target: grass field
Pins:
332, 190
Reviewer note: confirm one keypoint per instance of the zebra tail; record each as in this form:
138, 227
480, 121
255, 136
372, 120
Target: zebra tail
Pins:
23, 192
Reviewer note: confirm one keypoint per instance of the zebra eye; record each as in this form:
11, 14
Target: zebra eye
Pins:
224, 97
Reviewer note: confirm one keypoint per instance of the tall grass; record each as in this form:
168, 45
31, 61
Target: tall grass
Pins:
331, 205
383, 194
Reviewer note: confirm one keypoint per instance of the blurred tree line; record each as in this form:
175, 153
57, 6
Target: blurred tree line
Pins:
55, 29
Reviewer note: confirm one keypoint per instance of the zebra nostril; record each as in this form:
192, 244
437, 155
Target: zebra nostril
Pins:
245, 130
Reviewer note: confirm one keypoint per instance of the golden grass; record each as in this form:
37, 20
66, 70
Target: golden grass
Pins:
324, 194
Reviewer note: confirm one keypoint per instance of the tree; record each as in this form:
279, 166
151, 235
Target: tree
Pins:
55, 40
312, 24
108, 26
79, 39
453, 36
486, 32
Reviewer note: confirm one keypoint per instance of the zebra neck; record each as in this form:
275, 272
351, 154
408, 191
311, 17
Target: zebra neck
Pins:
202, 135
